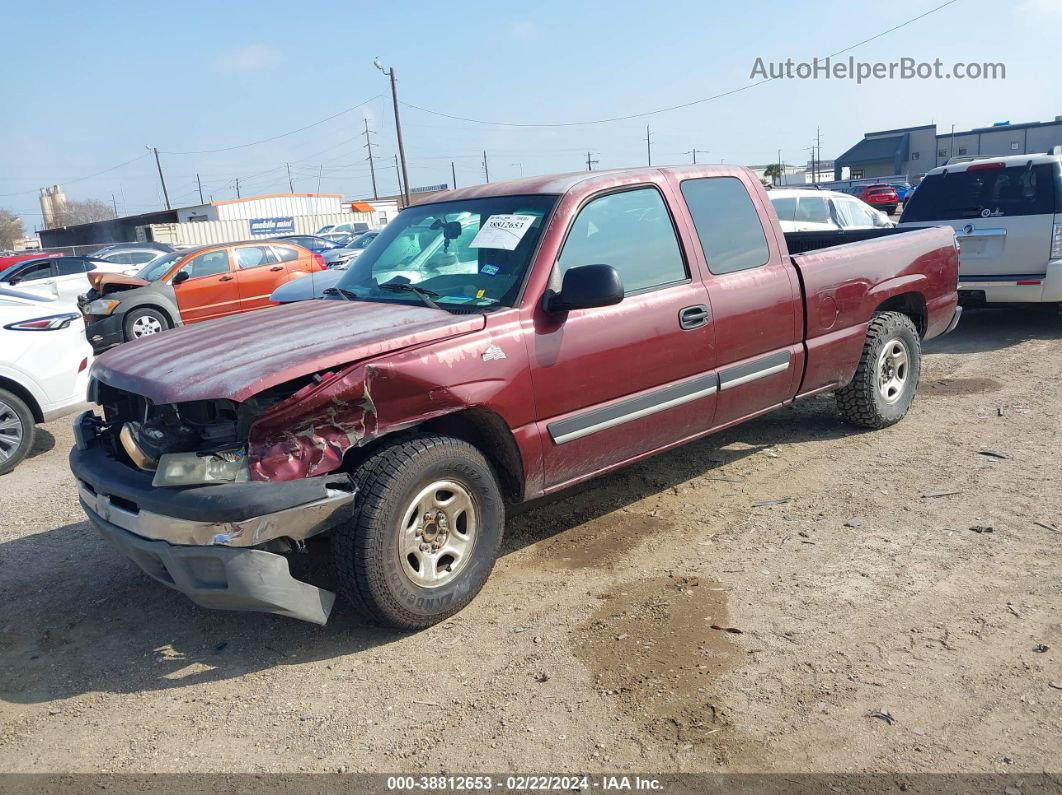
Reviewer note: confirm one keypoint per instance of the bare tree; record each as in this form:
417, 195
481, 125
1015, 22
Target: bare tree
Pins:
10, 229
85, 212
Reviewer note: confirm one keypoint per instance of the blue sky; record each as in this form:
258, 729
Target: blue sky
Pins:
88, 85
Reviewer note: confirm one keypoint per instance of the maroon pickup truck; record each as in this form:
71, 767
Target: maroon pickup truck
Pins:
494, 345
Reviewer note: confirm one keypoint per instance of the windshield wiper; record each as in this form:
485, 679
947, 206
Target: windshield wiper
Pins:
348, 295
421, 293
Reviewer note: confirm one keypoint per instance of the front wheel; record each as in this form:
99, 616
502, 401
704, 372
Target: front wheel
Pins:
886, 379
427, 527
143, 323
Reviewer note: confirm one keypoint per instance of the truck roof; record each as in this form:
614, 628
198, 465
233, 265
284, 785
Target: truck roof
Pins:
555, 184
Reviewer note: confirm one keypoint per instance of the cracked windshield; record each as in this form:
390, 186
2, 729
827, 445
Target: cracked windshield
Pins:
471, 253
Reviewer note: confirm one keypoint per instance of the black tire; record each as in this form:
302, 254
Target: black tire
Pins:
16, 420
134, 315
370, 569
862, 402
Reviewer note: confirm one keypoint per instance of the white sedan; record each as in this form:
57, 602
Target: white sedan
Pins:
811, 210
44, 368
64, 278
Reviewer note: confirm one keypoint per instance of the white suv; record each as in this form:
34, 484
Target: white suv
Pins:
811, 210
44, 368
1007, 216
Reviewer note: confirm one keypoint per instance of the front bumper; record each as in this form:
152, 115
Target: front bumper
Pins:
104, 332
205, 541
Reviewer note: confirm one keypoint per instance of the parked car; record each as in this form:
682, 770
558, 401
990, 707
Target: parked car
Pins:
318, 245
190, 286
64, 278
138, 254
903, 190
500, 345
805, 210
1007, 215
353, 228
880, 197
15, 259
341, 256
44, 367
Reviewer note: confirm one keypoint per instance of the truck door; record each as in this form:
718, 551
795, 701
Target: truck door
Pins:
614, 382
210, 289
258, 272
757, 309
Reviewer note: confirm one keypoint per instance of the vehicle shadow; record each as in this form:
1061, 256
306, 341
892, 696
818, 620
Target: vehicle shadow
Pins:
43, 442
982, 330
77, 617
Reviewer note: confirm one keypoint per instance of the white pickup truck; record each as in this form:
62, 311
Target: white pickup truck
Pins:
1007, 216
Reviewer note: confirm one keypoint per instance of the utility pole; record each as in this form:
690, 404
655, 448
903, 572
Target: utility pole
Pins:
648, 146
398, 124
818, 156
453, 173
372, 168
320, 173
486, 173
291, 187
200, 184
114, 204
237, 187
521, 165
694, 153
589, 162
398, 176
162, 179
778, 176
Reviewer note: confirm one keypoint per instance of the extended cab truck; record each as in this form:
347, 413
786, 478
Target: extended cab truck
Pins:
592, 320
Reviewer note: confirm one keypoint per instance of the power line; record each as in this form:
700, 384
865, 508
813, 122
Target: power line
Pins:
672, 107
275, 137
79, 179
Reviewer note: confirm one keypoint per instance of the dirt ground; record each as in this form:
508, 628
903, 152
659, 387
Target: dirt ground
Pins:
656, 620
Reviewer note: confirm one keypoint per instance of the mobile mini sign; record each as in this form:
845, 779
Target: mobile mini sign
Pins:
272, 226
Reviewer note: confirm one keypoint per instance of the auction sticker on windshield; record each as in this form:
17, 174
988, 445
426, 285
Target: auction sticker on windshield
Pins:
503, 231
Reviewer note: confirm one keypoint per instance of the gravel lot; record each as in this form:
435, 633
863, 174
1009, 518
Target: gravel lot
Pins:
592, 646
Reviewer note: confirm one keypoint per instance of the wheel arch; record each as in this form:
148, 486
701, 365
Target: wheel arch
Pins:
17, 389
480, 427
912, 304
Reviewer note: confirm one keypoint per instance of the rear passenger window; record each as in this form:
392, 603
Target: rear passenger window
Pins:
286, 254
813, 209
631, 231
254, 257
727, 224
70, 267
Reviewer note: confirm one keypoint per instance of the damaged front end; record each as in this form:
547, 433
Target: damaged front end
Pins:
172, 486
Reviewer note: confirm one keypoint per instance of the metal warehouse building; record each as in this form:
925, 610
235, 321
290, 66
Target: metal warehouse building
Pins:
915, 150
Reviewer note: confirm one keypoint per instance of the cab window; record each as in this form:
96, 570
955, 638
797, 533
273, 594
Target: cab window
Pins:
727, 224
210, 264
631, 231
813, 209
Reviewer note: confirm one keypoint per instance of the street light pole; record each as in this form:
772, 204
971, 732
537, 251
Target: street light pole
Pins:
398, 126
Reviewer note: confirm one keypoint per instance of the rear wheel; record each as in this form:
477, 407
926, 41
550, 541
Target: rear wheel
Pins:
428, 523
143, 323
886, 379
16, 430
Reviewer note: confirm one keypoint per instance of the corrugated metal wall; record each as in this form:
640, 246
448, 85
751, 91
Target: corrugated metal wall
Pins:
277, 207
201, 233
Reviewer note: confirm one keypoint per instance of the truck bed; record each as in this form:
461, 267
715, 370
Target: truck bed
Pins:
803, 242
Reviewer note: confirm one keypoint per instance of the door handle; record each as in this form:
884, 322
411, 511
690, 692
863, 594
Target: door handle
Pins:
692, 317
225, 279
277, 268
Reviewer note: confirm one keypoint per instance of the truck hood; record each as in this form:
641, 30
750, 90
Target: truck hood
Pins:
236, 357
104, 283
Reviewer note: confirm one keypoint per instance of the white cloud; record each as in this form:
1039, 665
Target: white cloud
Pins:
249, 58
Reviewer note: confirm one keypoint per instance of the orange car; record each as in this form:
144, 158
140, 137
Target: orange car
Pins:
190, 286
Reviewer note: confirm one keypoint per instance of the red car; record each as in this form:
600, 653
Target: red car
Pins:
495, 344
880, 197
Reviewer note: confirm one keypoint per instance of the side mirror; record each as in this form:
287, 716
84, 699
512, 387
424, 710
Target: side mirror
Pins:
179, 278
586, 287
